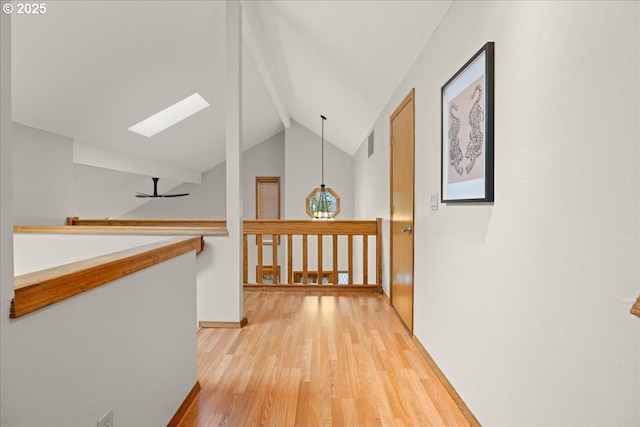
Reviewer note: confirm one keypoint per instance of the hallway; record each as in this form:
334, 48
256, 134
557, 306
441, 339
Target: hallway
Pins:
317, 359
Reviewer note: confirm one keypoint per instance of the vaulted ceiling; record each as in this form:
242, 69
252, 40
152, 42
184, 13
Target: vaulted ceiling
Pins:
89, 70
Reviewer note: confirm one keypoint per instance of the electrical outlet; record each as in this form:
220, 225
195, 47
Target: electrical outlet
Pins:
107, 419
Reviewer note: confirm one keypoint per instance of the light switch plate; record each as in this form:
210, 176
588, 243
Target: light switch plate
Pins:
434, 202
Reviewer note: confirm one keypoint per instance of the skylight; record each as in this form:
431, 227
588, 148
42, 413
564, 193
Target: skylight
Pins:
170, 115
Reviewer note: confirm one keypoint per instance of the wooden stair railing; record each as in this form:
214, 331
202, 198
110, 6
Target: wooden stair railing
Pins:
304, 228
40, 289
274, 229
635, 309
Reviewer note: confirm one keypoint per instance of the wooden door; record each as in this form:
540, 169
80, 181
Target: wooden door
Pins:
402, 195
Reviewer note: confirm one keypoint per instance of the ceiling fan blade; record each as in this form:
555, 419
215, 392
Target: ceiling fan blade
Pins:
175, 195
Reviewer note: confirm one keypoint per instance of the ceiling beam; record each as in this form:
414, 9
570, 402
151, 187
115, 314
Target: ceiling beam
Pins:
84, 154
255, 39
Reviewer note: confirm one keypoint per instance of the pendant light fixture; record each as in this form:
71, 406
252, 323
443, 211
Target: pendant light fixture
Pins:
323, 203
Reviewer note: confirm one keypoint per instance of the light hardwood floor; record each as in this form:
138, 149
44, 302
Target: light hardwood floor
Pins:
317, 360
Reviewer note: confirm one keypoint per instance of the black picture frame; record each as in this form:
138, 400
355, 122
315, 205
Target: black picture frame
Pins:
467, 118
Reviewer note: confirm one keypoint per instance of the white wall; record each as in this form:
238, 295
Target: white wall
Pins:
130, 345
524, 303
303, 170
371, 175
33, 252
217, 299
42, 176
6, 208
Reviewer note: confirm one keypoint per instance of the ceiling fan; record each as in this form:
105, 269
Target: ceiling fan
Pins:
155, 192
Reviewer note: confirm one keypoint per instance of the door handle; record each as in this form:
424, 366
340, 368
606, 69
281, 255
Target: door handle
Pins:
408, 229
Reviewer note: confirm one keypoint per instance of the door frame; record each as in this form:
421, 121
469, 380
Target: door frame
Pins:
408, 98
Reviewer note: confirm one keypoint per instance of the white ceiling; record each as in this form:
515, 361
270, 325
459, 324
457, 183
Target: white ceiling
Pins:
89, 70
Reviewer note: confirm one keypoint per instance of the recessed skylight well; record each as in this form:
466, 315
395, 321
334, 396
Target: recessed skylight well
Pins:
170, 115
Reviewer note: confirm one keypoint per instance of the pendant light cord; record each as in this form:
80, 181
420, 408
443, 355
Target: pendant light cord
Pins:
323, 119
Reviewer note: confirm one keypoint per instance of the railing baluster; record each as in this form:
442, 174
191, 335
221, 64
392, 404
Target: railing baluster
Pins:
259, 272
289, 259
274, 258
245, 256
365, 259
320, 280
350, 259
335, 259
304, 259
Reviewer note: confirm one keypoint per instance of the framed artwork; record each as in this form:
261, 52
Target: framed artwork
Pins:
467, 131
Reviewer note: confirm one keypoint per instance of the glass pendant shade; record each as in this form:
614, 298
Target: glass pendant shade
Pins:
323, 203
